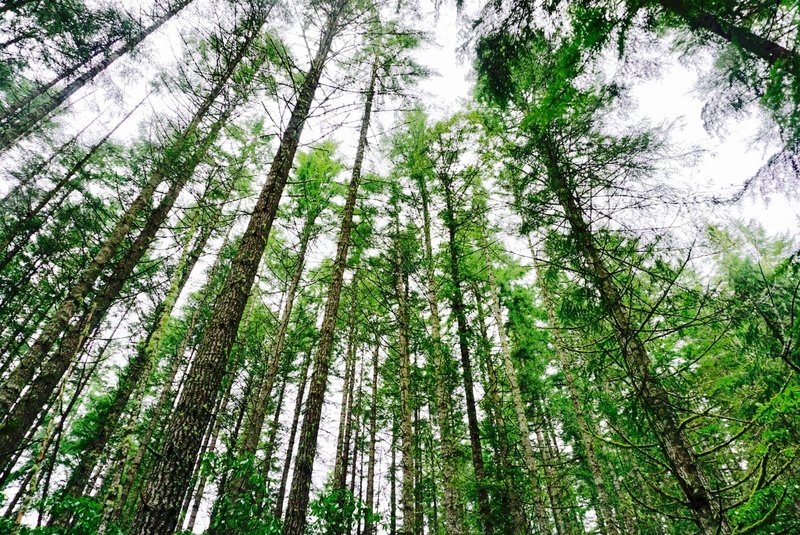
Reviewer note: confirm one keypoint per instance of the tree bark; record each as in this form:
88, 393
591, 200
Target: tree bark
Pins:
517, 524
406, 414
22, 416
257, 405
273, 432
528, 453
393, 482
134, 378
369, 525
343, 437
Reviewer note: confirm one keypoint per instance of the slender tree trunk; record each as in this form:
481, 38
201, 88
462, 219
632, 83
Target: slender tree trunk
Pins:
393, 483
17, 337
369, 525
361, 489
550, 478
298, 404
419, 507
630, 521
434, 515
22, 282
561, 484
454, 523
351, 403
18, 123
457, 304
654, 399
272, 440
343, 438
33, 471
131, 384
518, 523
406, 414
209, 445
163, 404
53, 435
23, 241
307, 449
12, 387
256, 406
355, 420
158, 510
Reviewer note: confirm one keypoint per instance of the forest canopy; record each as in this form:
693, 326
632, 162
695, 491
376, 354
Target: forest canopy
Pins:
262, 271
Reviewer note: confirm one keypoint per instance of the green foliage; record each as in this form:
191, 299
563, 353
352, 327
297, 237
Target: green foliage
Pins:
245, 515
336, 512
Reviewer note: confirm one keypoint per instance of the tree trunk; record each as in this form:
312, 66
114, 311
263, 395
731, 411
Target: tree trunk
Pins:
528, 453
307, 449
272, 439
12, 387
393, 482
215, 428
419, 507
406, 414
26, 181
257, 405
159, 508
369, 525
54, 435
343, 437
298, 405
134, 378
609, 524
129, 473
24, 413
209, 445
517, 524
457, 304
355, 419
453, 521
72, 304
650, 393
